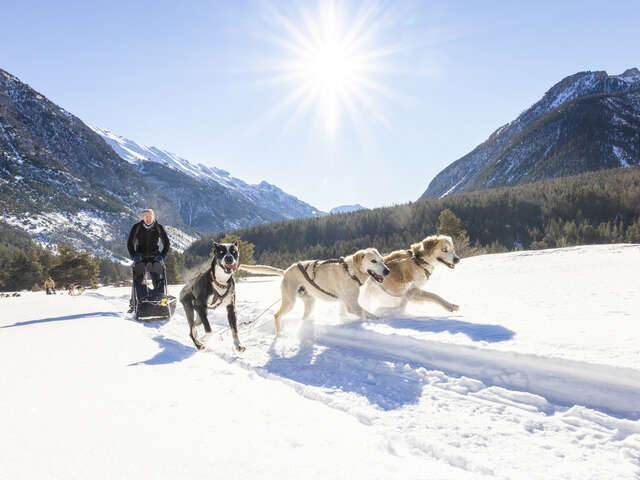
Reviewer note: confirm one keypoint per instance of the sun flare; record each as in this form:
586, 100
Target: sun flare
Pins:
331, 63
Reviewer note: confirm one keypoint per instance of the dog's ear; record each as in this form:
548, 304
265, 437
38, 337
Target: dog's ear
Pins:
429, 245
236, 243
358, 257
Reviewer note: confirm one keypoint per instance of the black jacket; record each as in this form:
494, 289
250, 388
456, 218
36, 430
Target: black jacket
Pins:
144, 241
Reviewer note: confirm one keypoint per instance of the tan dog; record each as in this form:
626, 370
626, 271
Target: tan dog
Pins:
410, 270
75, 289
337, 280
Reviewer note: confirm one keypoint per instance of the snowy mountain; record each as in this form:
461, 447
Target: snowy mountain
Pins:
263, 194
347, 208
62, 183
588, 121
529, 380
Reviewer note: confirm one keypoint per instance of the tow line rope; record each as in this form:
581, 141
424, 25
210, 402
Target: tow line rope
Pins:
223, 330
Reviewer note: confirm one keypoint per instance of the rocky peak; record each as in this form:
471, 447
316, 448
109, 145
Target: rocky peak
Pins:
587, 121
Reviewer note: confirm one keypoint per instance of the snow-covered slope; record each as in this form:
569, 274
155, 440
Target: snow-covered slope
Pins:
536, 377
60, 182
84, 230
588, 121
347, 208
265, 195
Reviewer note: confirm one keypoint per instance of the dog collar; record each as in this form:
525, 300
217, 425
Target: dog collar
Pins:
216, 282
353, 276
422, 264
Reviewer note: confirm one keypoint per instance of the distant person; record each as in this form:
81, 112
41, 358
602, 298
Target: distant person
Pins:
144, 249
50, 286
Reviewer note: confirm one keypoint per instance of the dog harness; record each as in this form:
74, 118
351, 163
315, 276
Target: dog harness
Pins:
217, 299
419, 262
316, 264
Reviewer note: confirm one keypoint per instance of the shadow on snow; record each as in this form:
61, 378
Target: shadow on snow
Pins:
477, 332
171, 351
63, 318
351, 369
380, 377
389, 370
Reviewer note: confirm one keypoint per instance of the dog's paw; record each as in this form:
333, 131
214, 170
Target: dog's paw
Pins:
200, 346
240, 348
453, 308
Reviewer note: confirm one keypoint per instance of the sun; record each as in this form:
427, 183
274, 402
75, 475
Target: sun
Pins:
331, 62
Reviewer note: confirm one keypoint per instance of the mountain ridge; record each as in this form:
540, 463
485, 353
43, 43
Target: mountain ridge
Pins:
346, 209
587, 121
62, 183
263, 193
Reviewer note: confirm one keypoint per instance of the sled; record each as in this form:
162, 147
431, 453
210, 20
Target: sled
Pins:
149, 310
150, 305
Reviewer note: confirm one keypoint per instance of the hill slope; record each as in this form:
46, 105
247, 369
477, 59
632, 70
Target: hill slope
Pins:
263, 196
62, 183
589, 121
593, 207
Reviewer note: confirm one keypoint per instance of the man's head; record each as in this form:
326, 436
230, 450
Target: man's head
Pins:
148, 217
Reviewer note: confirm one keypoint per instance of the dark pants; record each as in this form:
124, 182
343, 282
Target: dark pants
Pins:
156, 271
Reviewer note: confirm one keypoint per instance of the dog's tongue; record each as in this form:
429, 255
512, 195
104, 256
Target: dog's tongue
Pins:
234, 267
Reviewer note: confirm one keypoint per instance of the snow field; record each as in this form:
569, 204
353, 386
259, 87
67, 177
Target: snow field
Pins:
537, 376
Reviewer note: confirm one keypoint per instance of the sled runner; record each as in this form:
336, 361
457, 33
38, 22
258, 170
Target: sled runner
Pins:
152, 305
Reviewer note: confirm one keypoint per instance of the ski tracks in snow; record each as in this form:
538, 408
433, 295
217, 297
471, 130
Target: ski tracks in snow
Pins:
489, 399
486, 411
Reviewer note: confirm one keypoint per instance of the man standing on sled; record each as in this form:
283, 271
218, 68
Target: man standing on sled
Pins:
145, 253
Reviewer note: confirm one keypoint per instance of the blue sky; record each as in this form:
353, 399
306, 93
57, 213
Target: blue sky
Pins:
197, 78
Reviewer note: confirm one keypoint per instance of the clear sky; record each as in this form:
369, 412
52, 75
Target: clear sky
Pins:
364, 103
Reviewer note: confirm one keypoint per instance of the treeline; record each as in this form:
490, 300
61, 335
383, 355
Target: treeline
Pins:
27, 268
25, 265
596, 207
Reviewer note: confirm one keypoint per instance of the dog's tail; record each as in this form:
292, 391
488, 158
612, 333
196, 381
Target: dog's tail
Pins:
262, 269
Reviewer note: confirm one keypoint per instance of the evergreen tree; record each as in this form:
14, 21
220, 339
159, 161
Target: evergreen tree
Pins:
633, 232
174, 268
75, 267
111, 272
24, 271
450, 225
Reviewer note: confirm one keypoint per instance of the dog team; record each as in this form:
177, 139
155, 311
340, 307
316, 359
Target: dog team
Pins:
400, 274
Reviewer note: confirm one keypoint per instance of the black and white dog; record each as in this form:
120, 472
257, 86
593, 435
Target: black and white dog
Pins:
211, 289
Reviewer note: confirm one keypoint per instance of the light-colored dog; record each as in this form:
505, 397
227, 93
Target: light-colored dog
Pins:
330, 280
410, 270
75, 289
